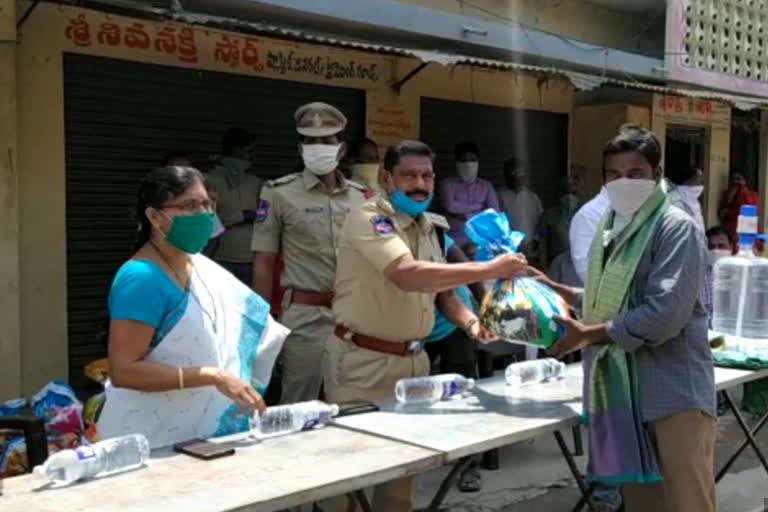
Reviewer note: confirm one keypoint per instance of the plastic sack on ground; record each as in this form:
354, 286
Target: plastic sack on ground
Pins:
520, 311
58, 406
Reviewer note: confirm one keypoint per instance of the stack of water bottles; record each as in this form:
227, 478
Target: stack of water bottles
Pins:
740, 288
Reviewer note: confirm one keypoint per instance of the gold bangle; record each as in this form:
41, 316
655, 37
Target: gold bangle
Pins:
181, 378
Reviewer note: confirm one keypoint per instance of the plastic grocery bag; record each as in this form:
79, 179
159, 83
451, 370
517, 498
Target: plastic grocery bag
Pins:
519, 311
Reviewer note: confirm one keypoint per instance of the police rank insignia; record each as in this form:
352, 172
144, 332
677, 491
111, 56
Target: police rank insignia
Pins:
262, 211
383, 226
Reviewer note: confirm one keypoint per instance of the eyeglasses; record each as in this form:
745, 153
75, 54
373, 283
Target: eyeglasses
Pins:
192, 206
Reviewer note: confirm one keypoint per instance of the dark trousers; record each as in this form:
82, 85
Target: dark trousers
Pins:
457, 353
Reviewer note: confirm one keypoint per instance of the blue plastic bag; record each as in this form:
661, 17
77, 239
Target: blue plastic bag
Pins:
491, 232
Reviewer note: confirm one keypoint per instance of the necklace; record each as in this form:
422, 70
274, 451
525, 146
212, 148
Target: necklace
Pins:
188, 288
184, 282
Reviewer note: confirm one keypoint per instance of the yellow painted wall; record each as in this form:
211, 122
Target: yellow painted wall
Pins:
716, 118
53, 30
10, 342
639, 32
593, 126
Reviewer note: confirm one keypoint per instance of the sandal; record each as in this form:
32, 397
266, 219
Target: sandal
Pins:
470, 480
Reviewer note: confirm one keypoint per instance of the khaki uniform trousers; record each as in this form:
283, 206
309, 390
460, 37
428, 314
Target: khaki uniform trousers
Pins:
353, 373
302, 375
685, 449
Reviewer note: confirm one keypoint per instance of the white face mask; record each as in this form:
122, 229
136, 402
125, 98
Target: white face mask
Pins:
467, 171
367, 173
321, 159
691, 193
627, 195
236, 164
716, 254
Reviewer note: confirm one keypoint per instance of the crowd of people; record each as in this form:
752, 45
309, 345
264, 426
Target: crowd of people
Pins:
375, 282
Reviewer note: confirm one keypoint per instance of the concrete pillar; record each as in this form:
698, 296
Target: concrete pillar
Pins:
10, 342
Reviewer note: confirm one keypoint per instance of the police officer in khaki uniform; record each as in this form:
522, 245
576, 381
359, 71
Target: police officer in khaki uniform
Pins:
390, 272
300, 215
237, 187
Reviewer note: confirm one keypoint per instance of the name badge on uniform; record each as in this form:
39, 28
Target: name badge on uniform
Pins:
262, 211
315, 210
383, 226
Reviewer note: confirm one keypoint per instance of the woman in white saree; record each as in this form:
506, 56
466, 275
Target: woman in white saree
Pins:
191, 348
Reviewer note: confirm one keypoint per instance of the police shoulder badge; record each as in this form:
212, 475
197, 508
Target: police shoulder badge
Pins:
262, 211
383, 226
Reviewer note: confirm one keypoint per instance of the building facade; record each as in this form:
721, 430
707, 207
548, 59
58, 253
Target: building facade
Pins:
93, 98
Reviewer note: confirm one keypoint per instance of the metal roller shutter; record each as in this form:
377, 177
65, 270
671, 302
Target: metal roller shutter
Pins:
538, 138
121, 118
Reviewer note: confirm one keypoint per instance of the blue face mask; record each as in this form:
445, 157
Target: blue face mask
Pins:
407, 205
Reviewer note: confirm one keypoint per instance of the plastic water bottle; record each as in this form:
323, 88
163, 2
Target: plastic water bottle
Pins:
530, 372
428, 390
99, 459
286, 419
740, 298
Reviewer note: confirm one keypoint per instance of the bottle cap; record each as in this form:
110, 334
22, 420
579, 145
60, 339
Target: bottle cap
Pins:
334, 409
470, 383
748, 210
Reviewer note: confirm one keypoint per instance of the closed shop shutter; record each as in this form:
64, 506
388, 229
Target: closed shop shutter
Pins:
121, 119
538, 138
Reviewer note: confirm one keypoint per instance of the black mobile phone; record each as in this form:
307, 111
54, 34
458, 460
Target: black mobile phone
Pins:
202, 449
356, 407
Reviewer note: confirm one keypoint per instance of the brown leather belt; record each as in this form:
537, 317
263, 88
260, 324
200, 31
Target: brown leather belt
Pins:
310, 298
404, 348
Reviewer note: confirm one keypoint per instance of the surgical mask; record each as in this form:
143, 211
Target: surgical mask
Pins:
627, 195
717, 254
321, 159
190, 233
467, 171
691, 193
367, 173
407, 205
236, 164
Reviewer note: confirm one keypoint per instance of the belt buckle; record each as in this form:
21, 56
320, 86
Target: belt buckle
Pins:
416, 347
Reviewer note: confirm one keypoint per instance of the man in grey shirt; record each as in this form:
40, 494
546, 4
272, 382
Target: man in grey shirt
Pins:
665, 326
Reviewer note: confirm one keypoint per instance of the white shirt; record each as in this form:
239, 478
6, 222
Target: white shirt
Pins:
583, 228
687, 199
523, 209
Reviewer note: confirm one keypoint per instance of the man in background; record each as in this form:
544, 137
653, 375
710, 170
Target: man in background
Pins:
363, 160
685, 188
583, 228
238, 188
464, 195
556, 221
520, 203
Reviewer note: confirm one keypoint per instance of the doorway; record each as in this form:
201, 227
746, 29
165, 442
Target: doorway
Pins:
685, 147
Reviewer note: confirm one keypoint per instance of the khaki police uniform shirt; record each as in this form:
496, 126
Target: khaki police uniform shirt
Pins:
372, 189
368, 303
237, 191
301, 218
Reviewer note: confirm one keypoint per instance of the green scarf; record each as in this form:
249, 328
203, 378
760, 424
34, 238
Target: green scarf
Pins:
611, 391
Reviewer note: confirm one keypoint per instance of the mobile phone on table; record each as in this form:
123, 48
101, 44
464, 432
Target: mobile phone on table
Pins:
202, 449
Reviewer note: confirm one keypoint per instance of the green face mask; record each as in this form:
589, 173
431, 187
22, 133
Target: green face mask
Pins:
190, 233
